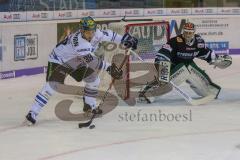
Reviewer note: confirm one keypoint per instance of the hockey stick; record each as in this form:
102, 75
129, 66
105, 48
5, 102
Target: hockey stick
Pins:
88, 123
183, 94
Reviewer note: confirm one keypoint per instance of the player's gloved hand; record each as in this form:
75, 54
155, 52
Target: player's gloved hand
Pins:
114, 71
129, 41
222, 61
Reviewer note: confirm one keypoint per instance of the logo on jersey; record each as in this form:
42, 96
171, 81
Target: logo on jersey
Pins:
190, 48
179, 39
84, 50
185, 55
88, 58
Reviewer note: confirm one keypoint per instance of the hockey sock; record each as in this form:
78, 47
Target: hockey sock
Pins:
42, 98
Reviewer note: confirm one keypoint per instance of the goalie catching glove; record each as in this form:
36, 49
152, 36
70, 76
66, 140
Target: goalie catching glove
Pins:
129, 41
222, 61
114, 71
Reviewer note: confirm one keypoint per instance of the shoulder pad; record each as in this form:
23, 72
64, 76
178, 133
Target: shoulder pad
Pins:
200, 42
199, 38
179, 39
167, 47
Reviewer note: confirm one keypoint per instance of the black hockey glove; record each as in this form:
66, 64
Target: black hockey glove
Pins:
114, 71
129, 41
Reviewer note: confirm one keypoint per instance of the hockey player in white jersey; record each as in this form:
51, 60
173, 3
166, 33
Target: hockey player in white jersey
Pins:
74, 56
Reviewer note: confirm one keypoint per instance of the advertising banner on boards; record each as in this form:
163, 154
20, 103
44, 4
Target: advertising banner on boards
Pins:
63, 29
218, 32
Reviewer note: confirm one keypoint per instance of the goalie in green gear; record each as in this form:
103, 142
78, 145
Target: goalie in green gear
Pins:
180, 51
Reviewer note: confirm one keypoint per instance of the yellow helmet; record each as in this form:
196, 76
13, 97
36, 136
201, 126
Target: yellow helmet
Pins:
87, 23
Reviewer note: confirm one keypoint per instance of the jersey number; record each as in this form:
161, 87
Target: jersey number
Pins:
88, 58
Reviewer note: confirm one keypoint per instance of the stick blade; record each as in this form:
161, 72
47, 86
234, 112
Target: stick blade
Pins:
86, 124
204, 100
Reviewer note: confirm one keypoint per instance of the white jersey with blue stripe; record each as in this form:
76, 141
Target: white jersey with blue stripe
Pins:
74, 45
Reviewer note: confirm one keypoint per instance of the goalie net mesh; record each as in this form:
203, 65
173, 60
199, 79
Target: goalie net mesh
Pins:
151, 36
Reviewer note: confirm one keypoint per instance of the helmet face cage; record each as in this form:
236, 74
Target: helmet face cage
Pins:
189, 26
188, 32
87, 23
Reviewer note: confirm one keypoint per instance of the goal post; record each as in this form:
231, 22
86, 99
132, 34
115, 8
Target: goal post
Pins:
151, 36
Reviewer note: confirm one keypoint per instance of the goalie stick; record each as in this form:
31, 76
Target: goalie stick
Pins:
183, 94
88, 123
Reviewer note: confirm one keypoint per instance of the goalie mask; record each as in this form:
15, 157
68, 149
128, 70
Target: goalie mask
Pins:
88, 27
188, 32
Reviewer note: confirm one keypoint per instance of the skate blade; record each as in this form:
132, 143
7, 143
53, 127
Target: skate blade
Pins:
90, 114
27, 123
146, 100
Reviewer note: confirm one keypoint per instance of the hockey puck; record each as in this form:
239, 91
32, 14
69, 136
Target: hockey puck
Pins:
92, 126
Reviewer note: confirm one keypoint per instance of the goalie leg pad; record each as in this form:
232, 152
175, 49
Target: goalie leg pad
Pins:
200, 82
179, 74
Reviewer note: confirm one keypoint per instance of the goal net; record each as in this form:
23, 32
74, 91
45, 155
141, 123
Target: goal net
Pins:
151, 36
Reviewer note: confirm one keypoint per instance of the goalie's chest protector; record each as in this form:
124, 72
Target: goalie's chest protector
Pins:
184, 52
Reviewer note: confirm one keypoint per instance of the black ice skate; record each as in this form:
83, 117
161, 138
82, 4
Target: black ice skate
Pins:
31, 118
88, 110
97, 111
143, 98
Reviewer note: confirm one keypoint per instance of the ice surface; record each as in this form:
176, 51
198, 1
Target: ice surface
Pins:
211, 133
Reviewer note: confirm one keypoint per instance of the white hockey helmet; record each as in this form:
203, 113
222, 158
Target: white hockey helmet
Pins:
188, 32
